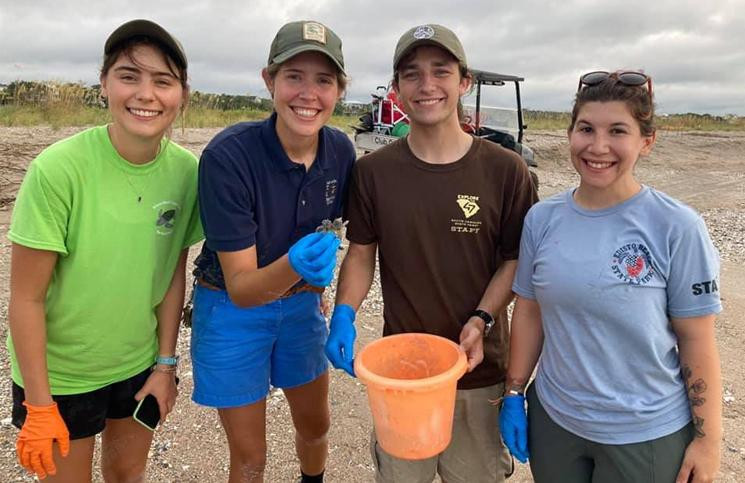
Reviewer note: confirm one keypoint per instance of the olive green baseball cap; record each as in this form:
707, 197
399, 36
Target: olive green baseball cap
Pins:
429, 34
304, 36
151, 30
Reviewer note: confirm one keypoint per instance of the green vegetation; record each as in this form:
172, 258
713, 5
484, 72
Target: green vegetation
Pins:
206, 117
543, 120
24, 103
56, 116
209, 117
701, 122
546, 120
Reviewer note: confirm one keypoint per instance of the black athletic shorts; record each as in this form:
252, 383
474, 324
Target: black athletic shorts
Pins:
85, 414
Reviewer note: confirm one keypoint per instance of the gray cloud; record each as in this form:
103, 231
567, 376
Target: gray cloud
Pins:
692, 49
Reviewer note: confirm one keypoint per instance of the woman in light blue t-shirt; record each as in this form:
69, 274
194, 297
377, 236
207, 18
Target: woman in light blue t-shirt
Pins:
617, 293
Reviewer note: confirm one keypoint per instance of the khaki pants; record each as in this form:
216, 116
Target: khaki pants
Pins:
475, 454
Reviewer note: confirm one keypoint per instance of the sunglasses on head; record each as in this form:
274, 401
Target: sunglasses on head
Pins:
625, 77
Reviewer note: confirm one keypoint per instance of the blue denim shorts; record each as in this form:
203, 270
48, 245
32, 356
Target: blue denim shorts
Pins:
238, 352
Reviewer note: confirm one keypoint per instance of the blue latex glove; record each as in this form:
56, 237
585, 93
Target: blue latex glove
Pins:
340, 344
513, 423
313, 257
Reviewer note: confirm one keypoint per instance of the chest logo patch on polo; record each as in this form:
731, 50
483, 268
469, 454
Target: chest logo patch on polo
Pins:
330, 192
469, 206
632, 263
166, 214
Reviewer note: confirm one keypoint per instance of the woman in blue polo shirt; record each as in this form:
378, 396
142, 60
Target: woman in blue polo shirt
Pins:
264, 187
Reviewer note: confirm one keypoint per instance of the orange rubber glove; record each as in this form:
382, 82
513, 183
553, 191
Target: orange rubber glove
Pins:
34, 444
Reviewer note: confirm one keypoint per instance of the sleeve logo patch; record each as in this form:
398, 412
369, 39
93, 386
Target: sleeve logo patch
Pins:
706, 287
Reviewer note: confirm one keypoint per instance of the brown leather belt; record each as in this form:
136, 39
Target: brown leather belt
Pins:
292, 290
306, 287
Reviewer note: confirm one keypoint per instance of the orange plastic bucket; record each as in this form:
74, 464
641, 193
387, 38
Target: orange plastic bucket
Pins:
411, 381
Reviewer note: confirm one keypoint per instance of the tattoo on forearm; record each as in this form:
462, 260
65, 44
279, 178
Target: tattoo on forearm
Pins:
695, 391
698, 426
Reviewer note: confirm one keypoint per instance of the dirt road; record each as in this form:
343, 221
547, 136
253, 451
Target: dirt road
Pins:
706, 170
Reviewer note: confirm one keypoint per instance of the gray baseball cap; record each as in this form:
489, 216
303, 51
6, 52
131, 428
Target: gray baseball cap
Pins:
429, 34
304, 36
151, 30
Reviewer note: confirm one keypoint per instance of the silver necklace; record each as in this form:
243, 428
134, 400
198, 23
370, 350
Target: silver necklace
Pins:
138, 192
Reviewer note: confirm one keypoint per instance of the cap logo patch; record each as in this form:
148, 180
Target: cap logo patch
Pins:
314, 31
424, 32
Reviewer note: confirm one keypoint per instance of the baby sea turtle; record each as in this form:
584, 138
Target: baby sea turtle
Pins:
334, 227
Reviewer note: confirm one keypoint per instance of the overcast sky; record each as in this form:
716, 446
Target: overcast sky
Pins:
692, 49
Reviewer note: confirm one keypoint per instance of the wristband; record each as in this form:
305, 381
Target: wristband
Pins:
167, 361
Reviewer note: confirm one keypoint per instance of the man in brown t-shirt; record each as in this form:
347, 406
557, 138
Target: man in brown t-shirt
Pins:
445, 210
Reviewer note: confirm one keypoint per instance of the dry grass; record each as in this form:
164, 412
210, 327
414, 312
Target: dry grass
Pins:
543, 120
58, 104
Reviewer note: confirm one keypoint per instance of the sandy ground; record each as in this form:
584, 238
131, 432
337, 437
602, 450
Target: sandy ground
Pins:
707, 170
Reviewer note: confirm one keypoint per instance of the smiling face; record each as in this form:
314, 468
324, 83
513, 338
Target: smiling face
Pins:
305, 90
429, 84
605, 143
144, 95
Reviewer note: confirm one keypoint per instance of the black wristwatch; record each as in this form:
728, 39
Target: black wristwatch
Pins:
486, 317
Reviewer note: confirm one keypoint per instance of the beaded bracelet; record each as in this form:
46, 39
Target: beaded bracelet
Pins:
166, 369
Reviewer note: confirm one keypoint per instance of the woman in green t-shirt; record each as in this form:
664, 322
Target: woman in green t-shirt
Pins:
100, 231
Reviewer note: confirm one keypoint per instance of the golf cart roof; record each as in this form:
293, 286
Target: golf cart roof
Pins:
484, 77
